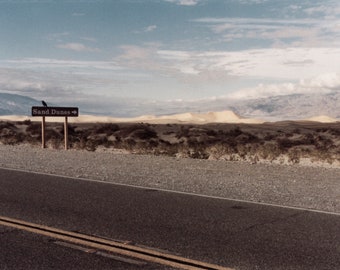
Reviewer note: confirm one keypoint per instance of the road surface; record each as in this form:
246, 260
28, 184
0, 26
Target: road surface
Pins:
217, 231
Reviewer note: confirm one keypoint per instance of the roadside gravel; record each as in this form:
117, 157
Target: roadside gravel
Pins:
289, 185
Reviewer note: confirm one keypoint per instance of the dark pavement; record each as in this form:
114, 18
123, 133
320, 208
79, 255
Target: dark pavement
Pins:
229, 233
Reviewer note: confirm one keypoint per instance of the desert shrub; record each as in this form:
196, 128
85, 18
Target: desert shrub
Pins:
284, 143
70, 129
138, 131
11, 137
230, 142
52, 134
324, 144
183, 132
27, 122
55, 143
91, 145
269, 151
243, 150
309, 138
7, 132
128, 144
334, 131
144, 133
108, 129
198, 152
153, 143
104, 141
269, 137
78, 142
34, 128
211, 132
6, 124
234, 132
294, 156
247, 138
168, 132
166, 148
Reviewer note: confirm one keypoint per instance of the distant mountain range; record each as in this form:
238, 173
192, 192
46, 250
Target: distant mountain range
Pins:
298, 106
288, 107
11, 104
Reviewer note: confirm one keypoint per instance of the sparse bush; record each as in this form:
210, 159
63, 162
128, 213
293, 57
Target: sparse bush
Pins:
108, 129
27, 122
145, 133
227, 142
34, 128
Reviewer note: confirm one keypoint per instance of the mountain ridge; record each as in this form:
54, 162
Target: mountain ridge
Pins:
276, 108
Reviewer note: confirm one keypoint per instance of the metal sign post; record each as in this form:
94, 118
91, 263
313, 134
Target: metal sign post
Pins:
54, 112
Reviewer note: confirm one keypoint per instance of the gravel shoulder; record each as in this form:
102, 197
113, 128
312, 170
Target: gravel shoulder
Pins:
289, 185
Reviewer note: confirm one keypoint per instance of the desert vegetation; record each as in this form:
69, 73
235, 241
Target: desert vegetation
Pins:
285, 142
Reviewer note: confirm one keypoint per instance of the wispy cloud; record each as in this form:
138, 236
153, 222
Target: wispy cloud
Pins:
150, 28
50, 63
295, 70
147, 29
184, 2
323, 83
297, 32
78, 47
247, 2
325, 9
283, 64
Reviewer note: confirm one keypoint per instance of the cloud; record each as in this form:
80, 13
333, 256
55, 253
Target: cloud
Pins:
295, 70
184, 2
261, 63
141, 58
152, 72
147, 29
78, 47
59, 79
291, 32
283, 64
248, 2
150, 28
327, 9
309, 24
37, 85
50, 63
324, 83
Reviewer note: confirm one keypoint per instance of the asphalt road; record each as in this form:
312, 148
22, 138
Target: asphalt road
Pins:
224, 232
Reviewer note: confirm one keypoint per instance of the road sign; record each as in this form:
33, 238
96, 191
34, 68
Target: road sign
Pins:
55, 111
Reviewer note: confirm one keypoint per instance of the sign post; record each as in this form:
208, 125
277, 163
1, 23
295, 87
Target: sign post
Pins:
66, 133
43, 125
54, 112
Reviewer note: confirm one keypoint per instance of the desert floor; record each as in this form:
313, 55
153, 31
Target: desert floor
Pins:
287, 142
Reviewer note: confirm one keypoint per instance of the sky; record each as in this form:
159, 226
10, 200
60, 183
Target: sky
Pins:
105, 53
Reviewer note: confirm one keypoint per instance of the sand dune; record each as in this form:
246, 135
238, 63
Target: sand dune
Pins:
194, 118
322, 119
189, 117
210, 117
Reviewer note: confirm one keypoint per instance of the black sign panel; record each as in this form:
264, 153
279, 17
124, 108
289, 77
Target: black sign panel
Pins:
55, 111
